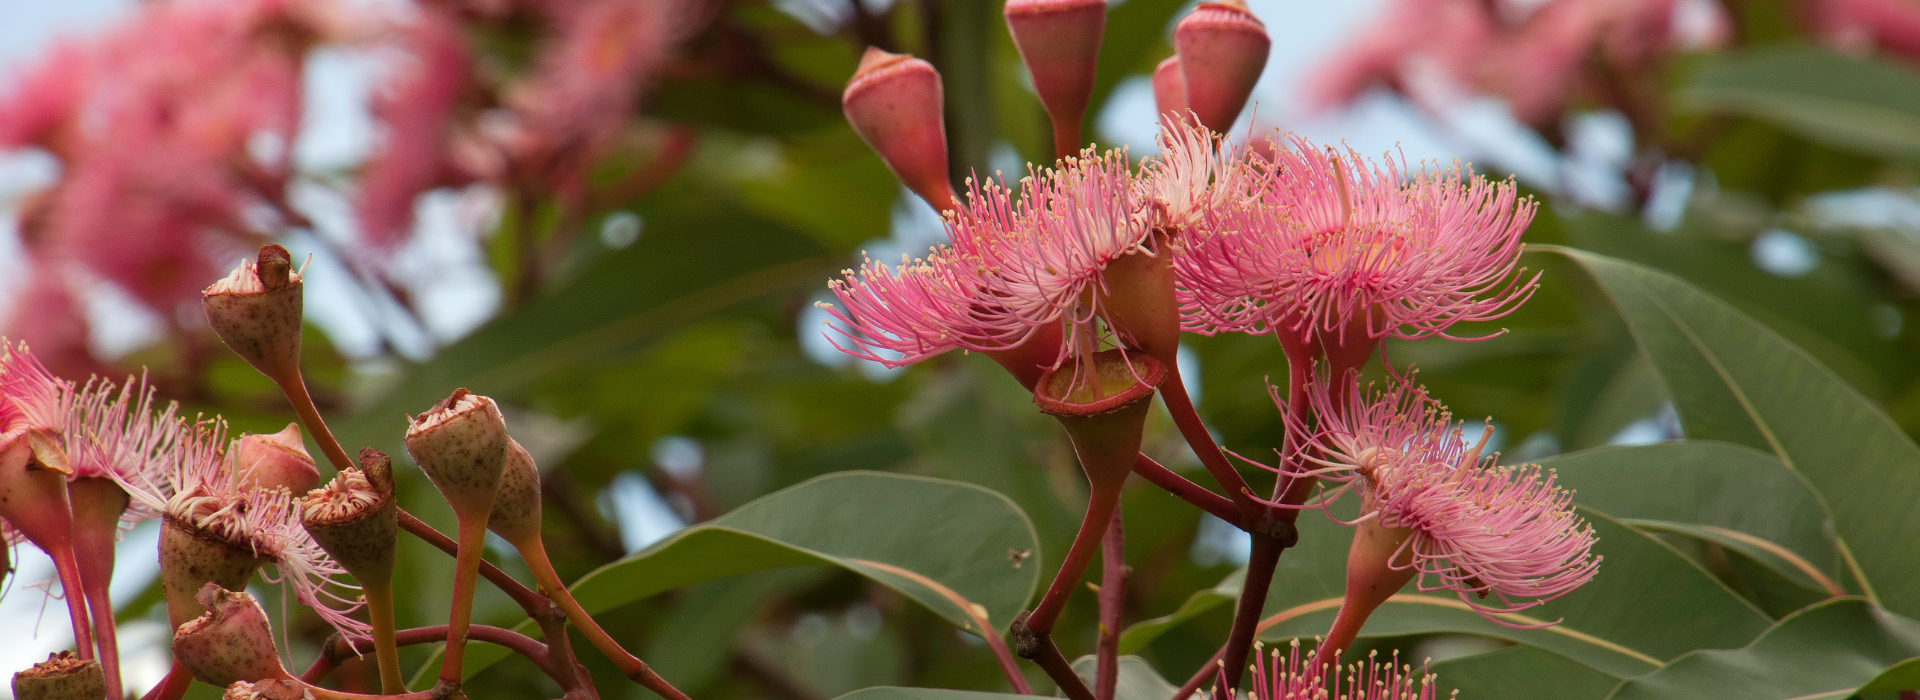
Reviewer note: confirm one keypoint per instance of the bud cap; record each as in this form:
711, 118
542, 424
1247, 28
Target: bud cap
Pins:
1059, 40
895, 103
256, 310
1223, 49
274, 461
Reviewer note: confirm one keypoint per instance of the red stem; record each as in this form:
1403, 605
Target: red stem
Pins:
1066, 138
466, 567
76, 596
173, 686
1060, 671
535, 555
1101, 506
1174, 392
528, 600
338, 649
295, 389
97, 505
1188, 491
1210, 669
1253, 596
1113, 596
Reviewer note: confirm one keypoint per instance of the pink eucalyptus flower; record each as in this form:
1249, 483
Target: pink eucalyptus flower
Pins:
200, 492
1295, 678
31, 398
416, 110
174, 131
119, 433
1468, 525
1196, 175
587, 84
1017, 264
1893, 25
1340, 249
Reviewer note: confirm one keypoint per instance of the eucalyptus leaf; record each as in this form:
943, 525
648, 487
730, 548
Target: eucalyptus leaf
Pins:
1858, 104
1829, 650
1521, 673
1145, 631
1734, 496
1611, 624
662, 282
941, 544
1137, 679
1733, 379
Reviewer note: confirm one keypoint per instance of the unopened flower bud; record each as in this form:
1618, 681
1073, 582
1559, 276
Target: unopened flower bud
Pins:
354, 517
256, 310
516, 512
1169, 90
62, 676
1059, 40
279, 460
231, 642
461, 445
894, 102
268, 690
1103, 405
1223, 49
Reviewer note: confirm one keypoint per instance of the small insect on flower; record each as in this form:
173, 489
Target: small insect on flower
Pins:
1444, 512
1295, 678
1340, 252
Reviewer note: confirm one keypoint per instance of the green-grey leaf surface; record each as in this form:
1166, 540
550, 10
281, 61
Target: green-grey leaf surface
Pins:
1829, 650
1223, 593
887, 692
659, 283
1732, 379
957, 535
1611, 624
1863, 105
1693, 487
1521, 673
1136, 680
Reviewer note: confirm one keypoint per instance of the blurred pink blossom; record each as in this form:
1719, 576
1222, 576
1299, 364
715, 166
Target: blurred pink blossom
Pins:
173, 130
1535, 55
416, 109
1893, 25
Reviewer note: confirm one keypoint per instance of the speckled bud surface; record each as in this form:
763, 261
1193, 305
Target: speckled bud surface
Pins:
232, 642
190, 559
62, 676
461, 445
516, 511
262, 327
274, 460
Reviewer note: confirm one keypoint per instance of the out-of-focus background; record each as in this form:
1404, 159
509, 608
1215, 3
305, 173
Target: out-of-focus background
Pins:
616, 218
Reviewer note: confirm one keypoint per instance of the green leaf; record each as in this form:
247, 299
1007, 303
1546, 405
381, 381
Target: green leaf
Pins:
887, 692
1611, 624
1862, 105
1137, 679
1901, 676
1828, 650
1733, 379
927, 539
1714, 491
664, 281
1521, 673
1145, 631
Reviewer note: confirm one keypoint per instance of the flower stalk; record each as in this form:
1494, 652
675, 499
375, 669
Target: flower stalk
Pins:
355, 519
461, 446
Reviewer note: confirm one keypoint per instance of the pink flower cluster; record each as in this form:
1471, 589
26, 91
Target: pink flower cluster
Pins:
1017, 263
1337, 241
174, 131
1534, 54
171, 468
556, 119
1473, 528
1294, 678
1301, 243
